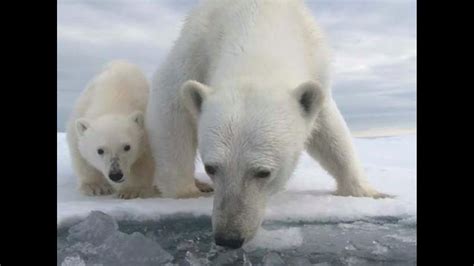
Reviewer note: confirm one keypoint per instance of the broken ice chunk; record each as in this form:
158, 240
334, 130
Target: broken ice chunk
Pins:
94, 229
193, 260
299, 262
134, 249
272, 259
73, 261
379, 248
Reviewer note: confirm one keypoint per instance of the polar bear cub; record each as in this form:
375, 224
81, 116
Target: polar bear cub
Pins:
106, 135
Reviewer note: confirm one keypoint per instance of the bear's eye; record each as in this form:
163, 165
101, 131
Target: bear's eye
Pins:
126, 147
100, 151
262, 174
210, 170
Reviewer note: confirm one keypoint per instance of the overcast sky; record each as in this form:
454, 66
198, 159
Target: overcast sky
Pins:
373, 42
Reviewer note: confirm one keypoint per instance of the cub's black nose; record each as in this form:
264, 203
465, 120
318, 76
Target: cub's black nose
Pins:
116, 176
229, 242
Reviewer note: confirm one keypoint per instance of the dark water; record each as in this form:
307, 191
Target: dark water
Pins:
187, 240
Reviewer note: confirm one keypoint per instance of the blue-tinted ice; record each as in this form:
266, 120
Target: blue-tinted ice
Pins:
187, 240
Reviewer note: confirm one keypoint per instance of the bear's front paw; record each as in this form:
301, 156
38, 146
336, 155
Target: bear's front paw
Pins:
136, 192
203, 187
96, 189
361, 192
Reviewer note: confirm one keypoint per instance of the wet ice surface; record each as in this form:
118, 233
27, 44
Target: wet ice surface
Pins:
98, 240
187, 240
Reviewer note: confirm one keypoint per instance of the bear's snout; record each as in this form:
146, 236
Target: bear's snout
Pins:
116, 176
115, 173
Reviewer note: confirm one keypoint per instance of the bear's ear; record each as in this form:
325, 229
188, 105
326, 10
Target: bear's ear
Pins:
139, 118
310, 97
81, 126
193, 95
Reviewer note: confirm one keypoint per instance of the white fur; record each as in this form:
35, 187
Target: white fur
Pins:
109, 114
234, 83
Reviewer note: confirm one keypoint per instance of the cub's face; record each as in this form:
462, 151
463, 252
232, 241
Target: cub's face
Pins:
249, 145
111, 144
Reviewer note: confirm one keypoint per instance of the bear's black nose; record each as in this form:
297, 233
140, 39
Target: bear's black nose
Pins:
229, 242
116, 176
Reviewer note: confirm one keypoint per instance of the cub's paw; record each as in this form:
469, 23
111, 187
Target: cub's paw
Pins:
96, 189
136, 192
203, 187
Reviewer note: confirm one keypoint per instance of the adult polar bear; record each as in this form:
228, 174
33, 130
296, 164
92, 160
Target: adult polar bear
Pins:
248, 81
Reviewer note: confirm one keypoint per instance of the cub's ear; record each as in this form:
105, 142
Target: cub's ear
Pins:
311, 97
82, 125
193, 94
139, 118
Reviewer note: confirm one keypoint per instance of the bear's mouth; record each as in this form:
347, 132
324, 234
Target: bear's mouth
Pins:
119, 181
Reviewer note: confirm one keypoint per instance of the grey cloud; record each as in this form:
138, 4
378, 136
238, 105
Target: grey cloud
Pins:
373, 42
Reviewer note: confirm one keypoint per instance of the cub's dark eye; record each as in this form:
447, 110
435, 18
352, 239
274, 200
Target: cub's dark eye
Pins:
210, 170
100, 151
126, 147
262, 174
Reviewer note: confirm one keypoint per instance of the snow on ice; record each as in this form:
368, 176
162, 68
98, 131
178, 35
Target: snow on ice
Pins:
390, 164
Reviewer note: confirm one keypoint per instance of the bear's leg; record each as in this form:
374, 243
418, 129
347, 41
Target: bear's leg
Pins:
173, 140
331, 144
91, 181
